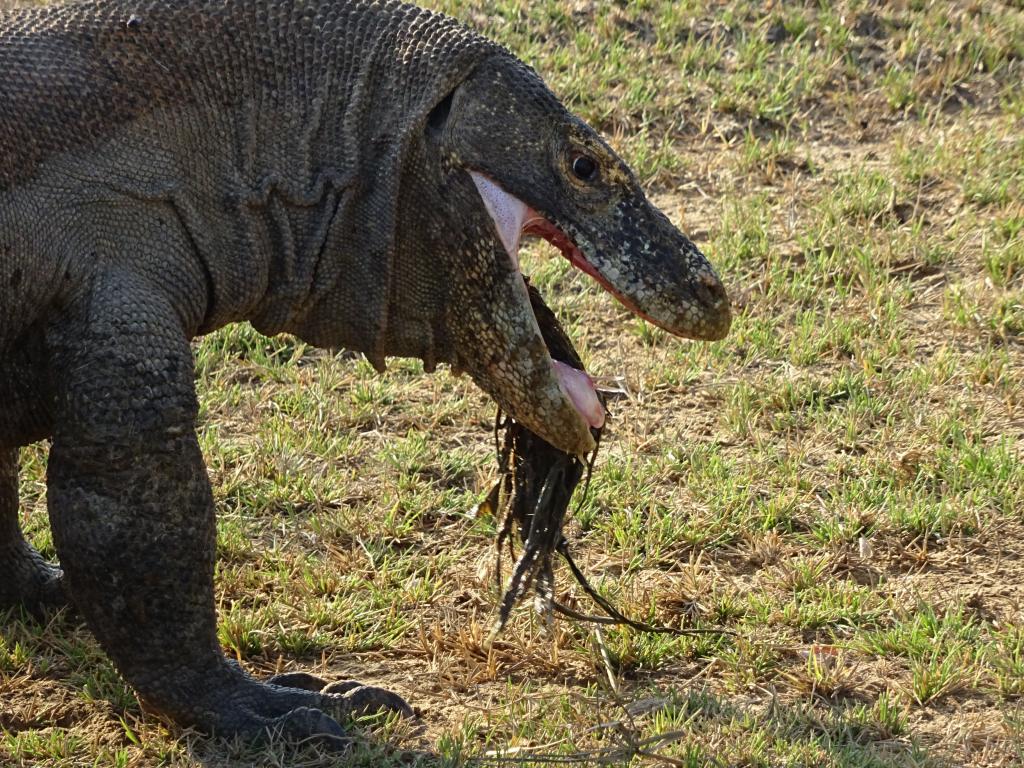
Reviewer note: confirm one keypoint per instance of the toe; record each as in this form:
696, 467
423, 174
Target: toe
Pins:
305, 724
341, 686
366, 699
301, 680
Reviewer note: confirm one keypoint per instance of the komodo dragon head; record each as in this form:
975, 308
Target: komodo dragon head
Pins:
535, 169
492, 159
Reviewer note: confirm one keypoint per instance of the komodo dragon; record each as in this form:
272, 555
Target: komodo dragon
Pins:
356, 173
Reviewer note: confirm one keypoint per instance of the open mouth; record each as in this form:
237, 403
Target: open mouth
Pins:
513, 219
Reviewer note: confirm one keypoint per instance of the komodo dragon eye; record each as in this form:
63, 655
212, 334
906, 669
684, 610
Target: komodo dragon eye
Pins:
584, 168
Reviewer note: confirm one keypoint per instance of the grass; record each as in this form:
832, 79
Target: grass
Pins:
840, 483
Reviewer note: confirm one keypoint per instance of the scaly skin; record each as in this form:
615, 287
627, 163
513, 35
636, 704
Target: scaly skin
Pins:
167, 168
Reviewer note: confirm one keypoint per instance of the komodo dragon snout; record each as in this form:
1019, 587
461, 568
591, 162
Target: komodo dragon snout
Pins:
540, 171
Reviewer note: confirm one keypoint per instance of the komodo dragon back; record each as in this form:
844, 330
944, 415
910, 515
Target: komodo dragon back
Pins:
73, 74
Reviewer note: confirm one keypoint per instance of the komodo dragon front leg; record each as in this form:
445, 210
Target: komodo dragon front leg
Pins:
133, 521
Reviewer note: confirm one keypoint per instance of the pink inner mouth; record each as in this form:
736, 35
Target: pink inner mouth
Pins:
536, 225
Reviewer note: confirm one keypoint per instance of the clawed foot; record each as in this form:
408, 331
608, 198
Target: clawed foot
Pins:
29, 581
353, 697
298, 707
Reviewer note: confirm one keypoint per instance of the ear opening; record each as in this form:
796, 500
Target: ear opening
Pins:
438, 117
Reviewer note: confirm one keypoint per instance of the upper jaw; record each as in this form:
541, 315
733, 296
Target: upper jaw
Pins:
678, 292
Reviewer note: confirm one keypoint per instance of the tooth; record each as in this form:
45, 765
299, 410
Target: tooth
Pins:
508, 213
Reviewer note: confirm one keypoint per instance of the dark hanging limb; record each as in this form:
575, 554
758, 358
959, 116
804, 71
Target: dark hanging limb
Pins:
532, 497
